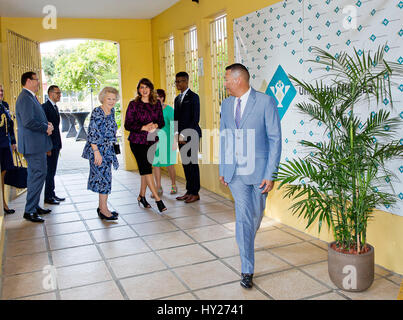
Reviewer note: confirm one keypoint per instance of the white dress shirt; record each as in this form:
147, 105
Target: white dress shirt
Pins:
53, 104
244, 100
30, 92
183, 94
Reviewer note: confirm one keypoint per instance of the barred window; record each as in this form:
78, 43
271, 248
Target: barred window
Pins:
23, 56
191, 59
219, 60
169, 57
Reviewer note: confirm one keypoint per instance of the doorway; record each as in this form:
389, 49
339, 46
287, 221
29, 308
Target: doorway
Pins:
80, 68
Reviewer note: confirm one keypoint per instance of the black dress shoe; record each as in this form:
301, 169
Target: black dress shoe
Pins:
43, 211
246, 280
51, 201
9, 211
59, 199
104, 217
33, 217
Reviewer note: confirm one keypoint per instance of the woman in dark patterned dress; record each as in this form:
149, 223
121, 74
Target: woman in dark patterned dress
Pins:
100, 151
143, 118
7, 144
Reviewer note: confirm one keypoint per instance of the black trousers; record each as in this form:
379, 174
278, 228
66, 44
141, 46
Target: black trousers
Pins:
192, 172
51, 172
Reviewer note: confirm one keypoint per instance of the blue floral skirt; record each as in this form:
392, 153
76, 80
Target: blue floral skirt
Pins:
100, 178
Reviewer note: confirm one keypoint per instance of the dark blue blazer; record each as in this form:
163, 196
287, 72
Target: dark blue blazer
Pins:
6, 134
53, 117
32, 125
187, 113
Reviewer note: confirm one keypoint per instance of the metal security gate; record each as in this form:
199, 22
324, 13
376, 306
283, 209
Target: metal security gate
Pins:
191, 59
169, 57
23, 55
219, 60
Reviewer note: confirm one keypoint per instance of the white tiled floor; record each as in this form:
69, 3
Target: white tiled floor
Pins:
189, 253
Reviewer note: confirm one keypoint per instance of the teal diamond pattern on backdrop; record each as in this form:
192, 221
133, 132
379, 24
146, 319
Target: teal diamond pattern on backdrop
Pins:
283, 35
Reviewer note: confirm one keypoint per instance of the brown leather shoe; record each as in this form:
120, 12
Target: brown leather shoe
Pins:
192, 198
184, 197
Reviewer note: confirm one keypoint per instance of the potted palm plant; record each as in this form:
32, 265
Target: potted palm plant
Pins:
344, 177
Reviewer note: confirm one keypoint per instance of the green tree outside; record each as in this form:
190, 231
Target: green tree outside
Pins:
74, 69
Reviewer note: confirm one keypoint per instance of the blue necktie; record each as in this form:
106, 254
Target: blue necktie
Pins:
238, 113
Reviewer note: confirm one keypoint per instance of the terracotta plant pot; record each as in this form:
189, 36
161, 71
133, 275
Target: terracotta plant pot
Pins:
351, 272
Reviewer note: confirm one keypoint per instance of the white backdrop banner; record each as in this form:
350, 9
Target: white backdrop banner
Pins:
277, 40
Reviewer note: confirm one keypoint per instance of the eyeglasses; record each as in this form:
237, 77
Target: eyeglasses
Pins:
178, 81
35, 79
57, 92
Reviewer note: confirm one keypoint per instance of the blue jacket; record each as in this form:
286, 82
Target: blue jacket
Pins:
7, 136
32, 125
253, 151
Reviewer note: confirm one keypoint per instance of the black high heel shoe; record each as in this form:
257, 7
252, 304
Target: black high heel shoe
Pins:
161, 206
102, 216
143, 201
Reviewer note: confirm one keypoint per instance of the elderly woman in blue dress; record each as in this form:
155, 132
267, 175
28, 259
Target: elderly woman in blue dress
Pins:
100, 151
7, 144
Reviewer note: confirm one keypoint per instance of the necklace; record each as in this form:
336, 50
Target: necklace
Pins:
107, 112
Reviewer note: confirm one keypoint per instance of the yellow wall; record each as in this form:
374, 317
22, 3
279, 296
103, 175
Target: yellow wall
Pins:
175, 21
132, 35
384, 232
2, 227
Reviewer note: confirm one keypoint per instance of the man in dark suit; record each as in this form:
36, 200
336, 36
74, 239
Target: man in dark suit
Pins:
53, 116
33, 142
187, 135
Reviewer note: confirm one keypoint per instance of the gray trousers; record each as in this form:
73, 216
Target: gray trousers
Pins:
37, 170
249, 207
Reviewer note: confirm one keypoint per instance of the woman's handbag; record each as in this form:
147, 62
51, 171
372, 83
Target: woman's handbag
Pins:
17, 176
116, 146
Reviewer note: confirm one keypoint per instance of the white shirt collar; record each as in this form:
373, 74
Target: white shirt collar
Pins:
245, 96
30, 92
184, 93
244, 100
53, 103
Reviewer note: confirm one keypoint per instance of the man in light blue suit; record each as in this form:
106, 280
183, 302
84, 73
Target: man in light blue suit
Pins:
33, 142
250, 150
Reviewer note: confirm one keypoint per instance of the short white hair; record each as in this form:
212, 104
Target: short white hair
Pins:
107, 90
